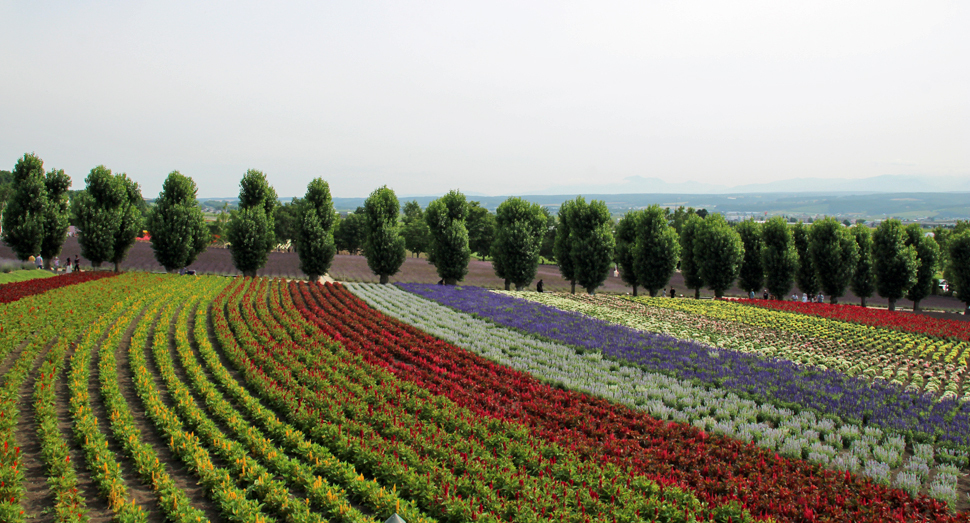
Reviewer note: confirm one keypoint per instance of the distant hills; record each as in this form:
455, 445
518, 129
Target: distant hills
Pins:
889, 183
906, 197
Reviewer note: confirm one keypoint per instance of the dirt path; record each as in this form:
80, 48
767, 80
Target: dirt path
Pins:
97, 507
39, 496
150, 434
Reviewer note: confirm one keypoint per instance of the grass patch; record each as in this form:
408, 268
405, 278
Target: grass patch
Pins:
23, 275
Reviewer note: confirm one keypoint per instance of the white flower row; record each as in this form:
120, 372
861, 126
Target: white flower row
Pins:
871, 450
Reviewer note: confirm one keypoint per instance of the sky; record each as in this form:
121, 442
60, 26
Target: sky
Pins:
489, 97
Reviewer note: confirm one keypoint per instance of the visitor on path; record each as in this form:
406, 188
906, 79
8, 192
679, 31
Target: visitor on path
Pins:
765, 294
751, 294
57, 263
804, 298
663, 293
68, 267
539, 286
39, 260
77, 263
673, 292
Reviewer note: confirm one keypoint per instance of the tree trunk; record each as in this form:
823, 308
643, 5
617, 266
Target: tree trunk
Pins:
718, 293
653, 293
451, 281
892, 304
916, 305
634, 290
249, 274
834, 300
863, 301
572, 287
47, 264
117, 266
384, 278
312, 277
519, 287
508, 284
96, 264
697, 293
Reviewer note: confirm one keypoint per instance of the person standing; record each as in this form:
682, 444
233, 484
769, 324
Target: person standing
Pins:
673, 292
57, 264
765, 294
539, 286
77, 263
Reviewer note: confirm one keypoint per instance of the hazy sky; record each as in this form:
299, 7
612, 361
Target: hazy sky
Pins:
488, 97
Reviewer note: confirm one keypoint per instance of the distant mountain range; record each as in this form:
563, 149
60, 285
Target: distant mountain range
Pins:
890, 183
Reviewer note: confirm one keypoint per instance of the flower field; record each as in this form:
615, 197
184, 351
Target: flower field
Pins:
14, 291
154, 397
941, 328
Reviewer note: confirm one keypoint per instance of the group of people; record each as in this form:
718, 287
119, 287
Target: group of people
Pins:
820, 298
56, 264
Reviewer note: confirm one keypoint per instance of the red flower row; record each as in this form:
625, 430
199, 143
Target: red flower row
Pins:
900, 321
11, 292
453, 464
719, 470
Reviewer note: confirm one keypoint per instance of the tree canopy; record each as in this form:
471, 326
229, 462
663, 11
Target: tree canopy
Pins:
591, 242
656, 249
863, 282
718, 251
690, 264
176, 223
384, 247
251, 232
751, 277
928, 253
449, 252
108, 216
778, 257
894, 263
519, 230
834, 254
316, 221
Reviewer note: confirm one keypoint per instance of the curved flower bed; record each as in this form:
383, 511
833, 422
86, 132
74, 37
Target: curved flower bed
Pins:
11, 292
837, 446
719, 469
952, 355
782, 382
868, 362
899, 321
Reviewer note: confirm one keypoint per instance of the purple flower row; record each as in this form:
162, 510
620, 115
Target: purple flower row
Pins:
773, 380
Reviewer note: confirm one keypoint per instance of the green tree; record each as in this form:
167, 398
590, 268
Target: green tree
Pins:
416, 234
250, 232
835, 254
350, 233
108, 216
626, 239
863, 278
806, 277
481, 229
549, 236
563, 245
6, 189
680, 216
719, 251
57, 215
286, 222
591, 242
778, 257
959, 256
24, 217
384, 247
751, 277
176, 223
520, 226
656, 249
449, 251
690, 264
928, 253
314, 235
894, 263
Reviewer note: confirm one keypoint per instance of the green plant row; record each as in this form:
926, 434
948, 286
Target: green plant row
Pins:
272, 492
221, 487
329, 499
327, 467
171, 499
33, 324
61, 474
102, 464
